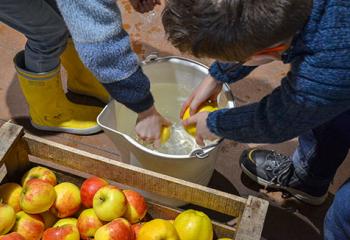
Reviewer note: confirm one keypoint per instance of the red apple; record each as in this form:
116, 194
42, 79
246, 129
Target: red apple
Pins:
136, 206
109, 203
7, 218
136, 228
12, 236
41, 173
68, 200
65, 232
118, 229
31, 227
10, 194
37, 196
88, 189
88, 223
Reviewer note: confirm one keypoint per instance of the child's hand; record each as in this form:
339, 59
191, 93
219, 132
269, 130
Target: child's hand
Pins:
149, 125
144, 6
202, 130
208, 89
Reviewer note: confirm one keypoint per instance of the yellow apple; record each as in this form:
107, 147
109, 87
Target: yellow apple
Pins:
158, 229
66, 221
41, 173
193, 225
37, 196
49, 219
10, 194
165, 135
68, 200
65, 232
88, 223
7, 218
109, 203
136, 206
224, 239
30, 226
207, 107
12, 236
118, 229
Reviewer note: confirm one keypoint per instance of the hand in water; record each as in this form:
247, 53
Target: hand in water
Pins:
149, 125
207, 90
144, 6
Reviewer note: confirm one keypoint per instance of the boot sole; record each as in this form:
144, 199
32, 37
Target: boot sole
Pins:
86, 131
304, 197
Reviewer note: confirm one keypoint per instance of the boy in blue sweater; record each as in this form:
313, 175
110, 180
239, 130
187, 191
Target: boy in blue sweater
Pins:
313, 101
103, 46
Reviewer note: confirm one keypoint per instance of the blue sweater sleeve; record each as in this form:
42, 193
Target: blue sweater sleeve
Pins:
229, 72
315, 91
104, 47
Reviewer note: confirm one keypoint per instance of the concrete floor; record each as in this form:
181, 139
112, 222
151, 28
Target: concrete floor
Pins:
287, 219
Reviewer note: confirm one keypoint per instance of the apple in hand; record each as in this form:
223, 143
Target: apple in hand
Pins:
66, 221
88, 223
88, 189
65, 232
7, 218
30, 226
118, 229
37, 196
136, 206
12, 236
41, 173
10, 194
67, 201
109, 203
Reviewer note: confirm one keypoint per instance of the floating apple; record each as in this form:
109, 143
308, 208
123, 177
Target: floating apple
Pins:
88, 189
67, 201
88, 223
7, 218
65, 232
136, 206
37, 196
10, 194
109, 203
158, 229
40, 173
118, 229
30, 226
12, 236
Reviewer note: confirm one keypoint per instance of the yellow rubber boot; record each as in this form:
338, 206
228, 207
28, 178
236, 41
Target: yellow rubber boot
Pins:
80, 79
49, 108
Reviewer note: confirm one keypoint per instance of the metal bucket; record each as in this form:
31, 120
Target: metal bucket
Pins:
196, 167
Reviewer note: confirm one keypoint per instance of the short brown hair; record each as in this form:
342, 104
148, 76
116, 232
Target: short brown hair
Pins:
232, 30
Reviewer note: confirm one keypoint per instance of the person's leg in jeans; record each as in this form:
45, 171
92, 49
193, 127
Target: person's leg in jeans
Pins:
337, 222
308, 173
44, 28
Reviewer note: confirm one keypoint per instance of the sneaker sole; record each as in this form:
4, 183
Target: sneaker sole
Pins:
86, 131
304, 197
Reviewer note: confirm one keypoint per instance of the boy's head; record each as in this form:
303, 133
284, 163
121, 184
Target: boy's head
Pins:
232, 30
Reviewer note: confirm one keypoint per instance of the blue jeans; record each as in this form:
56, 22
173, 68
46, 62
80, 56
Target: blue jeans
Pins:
316, 160
41, 23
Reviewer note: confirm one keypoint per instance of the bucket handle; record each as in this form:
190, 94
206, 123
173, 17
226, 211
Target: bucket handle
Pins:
203, 152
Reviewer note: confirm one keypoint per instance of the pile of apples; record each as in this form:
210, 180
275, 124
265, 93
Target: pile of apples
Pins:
43, 209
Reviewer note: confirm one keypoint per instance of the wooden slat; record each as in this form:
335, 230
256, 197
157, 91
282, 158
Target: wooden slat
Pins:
9, 135
252, 220
136, 177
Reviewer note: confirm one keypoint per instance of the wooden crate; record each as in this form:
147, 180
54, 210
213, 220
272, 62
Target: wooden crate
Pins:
19, 151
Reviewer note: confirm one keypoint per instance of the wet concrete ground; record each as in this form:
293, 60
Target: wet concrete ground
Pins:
286, 219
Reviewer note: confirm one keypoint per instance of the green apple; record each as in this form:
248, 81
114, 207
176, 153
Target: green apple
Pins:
41, 173
109, 203
30, 226
68, 200
7, 217
10, 193
37, 196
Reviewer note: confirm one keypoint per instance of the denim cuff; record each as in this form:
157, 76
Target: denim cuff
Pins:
133, 92
229, 72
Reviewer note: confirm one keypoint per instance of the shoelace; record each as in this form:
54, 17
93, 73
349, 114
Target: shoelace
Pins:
282, 170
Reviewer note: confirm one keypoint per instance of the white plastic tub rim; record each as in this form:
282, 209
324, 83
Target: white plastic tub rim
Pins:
196, 153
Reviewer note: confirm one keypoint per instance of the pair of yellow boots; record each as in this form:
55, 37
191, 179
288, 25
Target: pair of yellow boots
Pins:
49, 107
